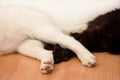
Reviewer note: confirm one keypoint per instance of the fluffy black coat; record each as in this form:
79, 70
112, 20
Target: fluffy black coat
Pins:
102, 35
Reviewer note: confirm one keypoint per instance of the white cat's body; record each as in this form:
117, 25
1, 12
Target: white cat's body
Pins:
25, 24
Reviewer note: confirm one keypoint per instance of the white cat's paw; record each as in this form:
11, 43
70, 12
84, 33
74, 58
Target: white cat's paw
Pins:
46, 67
88, 60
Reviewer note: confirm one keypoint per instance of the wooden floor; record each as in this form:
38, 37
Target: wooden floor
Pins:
18, 67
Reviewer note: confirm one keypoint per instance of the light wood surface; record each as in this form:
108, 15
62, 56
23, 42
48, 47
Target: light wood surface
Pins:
19, 67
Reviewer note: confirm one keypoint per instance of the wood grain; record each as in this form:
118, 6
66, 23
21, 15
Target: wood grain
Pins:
19, 67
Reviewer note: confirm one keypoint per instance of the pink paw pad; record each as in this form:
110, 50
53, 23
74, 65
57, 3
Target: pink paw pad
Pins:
48, 68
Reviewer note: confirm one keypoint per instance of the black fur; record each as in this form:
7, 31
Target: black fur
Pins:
60, 54
102, 35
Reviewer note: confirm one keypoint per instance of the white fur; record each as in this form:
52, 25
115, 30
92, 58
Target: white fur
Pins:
25, 24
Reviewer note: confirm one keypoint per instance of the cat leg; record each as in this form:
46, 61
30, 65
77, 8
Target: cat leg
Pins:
55, 36
35, 49
83, 54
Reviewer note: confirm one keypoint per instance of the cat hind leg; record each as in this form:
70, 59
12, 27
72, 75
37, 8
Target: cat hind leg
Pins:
35, 49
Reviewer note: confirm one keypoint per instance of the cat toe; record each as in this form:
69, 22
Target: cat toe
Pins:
46, 67
89, 61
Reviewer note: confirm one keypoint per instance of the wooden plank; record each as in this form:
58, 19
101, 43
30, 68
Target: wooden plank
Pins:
19, 67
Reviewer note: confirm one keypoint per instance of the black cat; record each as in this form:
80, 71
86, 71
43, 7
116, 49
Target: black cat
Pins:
102, 35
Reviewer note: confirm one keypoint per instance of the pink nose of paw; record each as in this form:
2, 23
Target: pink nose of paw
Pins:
48, 68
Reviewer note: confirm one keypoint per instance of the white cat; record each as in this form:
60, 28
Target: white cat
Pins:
26, 24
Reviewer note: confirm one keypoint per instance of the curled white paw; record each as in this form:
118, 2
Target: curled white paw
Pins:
46, 67
88, 60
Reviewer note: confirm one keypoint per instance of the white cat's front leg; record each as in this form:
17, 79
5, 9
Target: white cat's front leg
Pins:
35, 49
86, 57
